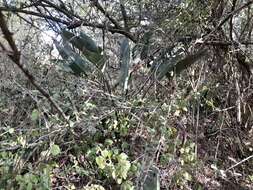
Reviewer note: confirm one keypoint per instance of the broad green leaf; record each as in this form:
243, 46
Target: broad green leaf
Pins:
77, 70
63, 64
123, 166
84, 65
96, 58
101, 162
187, 176
35, 115
152, 179
80, 42
122, 156
176, 63
143, 47
72, 60
108, 142
106, 154
89, 43
124, 64
127, 185
55, 150
62, 51
119, 180
29, 186
146, 44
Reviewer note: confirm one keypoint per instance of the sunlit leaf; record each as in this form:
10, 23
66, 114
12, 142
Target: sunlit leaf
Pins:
101, 162
187, 176
35, 115
55, 150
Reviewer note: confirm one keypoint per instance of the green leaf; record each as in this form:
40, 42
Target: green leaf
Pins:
55, 150
35, 115
176, 63
63, 64
146, 44
101, 162
119, 180
82, 65
127, 185
108, 142
72, 60
189, 60
124, 64
123, 166
62, 51
143, 47
187, 176
76, 69
96, 58
122, 157
89, 43
87, 47
152, 179
73, 39
29, 186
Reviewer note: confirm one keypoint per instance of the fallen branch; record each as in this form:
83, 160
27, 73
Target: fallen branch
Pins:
237, 164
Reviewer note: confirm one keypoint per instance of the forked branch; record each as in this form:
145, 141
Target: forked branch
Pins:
15, 57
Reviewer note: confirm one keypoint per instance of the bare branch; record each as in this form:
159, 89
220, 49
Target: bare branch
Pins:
15, 57
17, 10
72, 25
100, 8
231, 20
124, 14
229, 16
